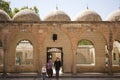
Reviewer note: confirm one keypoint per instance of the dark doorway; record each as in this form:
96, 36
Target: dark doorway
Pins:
53, 52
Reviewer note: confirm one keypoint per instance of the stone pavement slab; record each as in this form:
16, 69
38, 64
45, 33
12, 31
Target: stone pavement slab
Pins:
61, 79
65, 75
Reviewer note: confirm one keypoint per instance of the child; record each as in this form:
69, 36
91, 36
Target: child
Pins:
43, 72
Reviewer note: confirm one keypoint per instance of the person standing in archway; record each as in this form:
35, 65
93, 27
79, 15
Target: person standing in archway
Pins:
57, 65
106, 59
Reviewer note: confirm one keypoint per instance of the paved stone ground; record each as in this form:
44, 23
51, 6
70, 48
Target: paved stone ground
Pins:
81, 76
60, 79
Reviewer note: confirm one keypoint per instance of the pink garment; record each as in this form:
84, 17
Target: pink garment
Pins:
49, 64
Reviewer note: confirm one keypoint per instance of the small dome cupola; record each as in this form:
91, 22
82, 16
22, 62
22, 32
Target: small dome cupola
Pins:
26, 15
114, 16
57, 15
4, 16
88, 15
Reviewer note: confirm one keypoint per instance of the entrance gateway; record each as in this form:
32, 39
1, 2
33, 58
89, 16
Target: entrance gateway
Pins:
53, 52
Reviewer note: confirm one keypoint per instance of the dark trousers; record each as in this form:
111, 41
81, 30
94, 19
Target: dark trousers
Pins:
57, 73
43, 76
49, 72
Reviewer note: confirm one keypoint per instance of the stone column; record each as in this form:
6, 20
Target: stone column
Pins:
39, 62
110, 48
5, 33
74, 60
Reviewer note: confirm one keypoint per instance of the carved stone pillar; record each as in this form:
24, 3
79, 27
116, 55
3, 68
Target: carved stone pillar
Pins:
110, 48
74, 60
4, 42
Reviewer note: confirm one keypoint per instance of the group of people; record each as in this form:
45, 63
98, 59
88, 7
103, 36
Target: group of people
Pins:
47, 68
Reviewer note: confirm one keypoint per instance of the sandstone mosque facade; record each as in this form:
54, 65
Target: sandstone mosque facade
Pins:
27, 42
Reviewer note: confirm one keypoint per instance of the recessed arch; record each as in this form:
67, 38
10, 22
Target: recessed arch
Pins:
62, 42
99, 42
14, 41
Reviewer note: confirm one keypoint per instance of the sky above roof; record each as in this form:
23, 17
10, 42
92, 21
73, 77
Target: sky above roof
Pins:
70, 7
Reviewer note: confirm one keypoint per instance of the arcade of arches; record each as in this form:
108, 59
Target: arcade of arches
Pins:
27, 43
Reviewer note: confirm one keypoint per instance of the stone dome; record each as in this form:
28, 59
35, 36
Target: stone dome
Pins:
114, 16
57, 15
26, 15
88, 15
4, 16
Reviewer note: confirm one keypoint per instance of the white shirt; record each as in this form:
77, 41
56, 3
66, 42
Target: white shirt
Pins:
43, 70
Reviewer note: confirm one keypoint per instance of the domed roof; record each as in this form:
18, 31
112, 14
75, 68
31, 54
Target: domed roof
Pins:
57, 15
88, 15
4, 16
114, 16
26, 15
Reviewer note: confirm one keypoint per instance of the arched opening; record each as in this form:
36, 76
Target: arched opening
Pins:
1, 53
85, 53
116, 53
53, 53
24, 53
1, 56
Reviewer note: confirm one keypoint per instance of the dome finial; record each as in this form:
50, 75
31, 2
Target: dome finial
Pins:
56, 7
119, 6
87, 7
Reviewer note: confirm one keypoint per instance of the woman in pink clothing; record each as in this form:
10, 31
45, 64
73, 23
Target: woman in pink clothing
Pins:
49, 68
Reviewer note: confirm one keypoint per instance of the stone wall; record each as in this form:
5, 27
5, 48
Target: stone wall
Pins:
68, 34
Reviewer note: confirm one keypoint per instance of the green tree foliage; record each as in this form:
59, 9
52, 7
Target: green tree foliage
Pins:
25, 7
4, 5
36, 9
85, 42
16, 10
